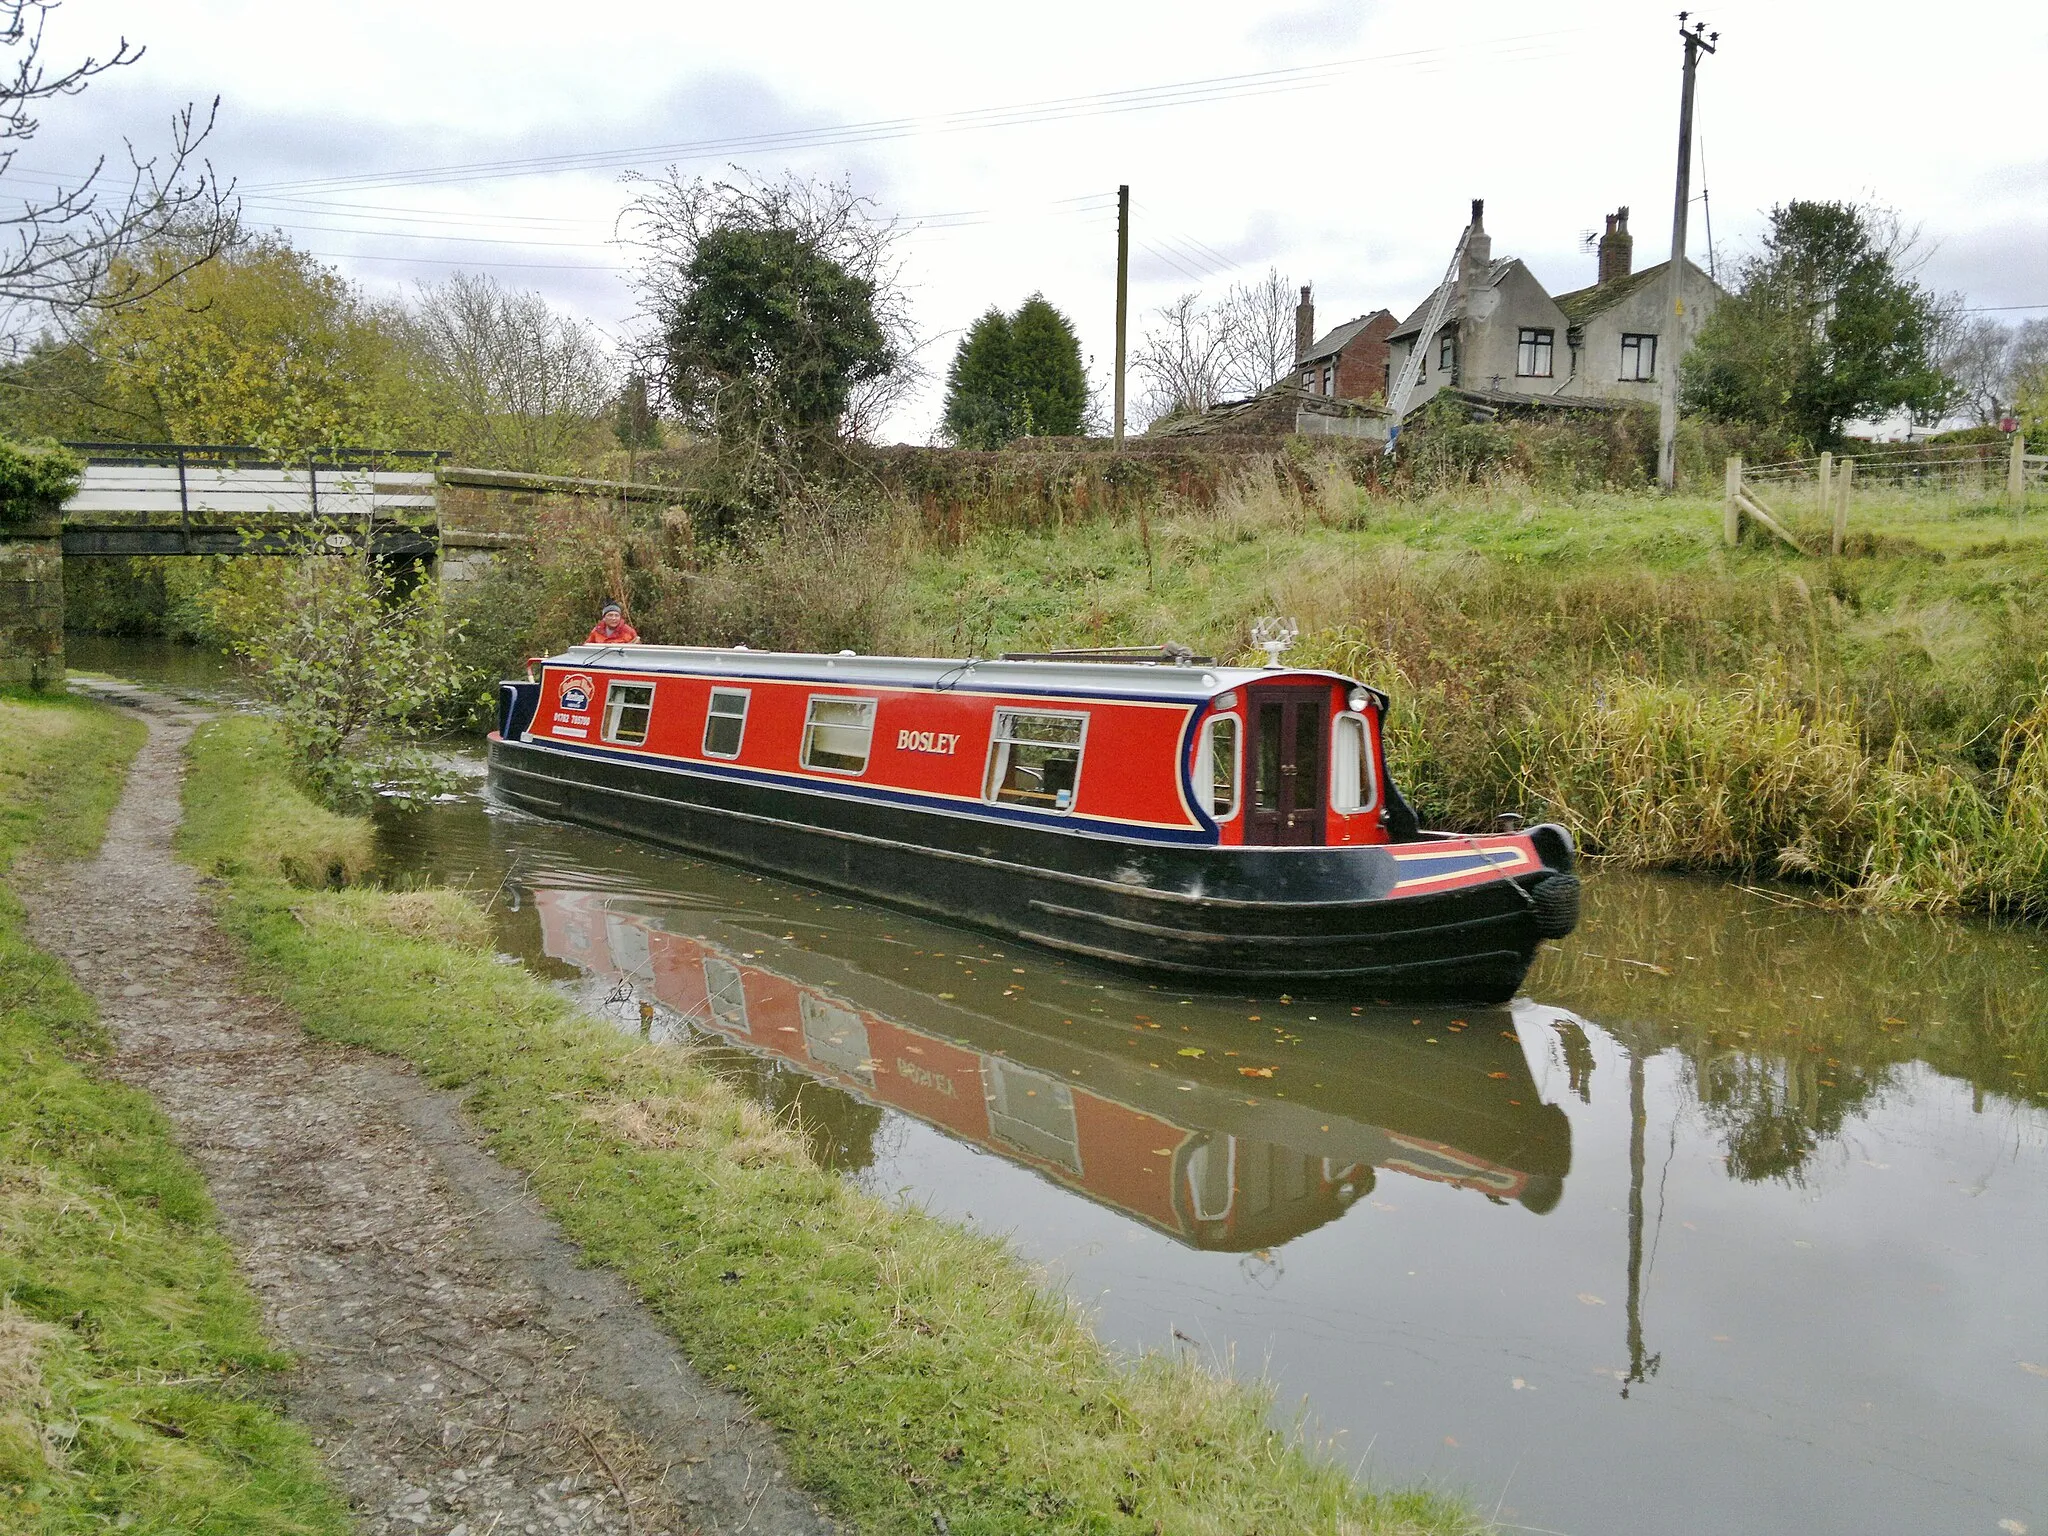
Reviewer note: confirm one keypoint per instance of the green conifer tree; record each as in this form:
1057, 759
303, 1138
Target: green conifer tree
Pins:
1045, 370
1016, 375
980, 398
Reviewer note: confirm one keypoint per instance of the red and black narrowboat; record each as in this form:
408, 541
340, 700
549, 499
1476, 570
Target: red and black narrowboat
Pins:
1220, 825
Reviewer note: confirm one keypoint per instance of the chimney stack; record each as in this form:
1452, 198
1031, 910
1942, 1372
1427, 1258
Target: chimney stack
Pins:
1304, 324
1617, 248
1479, 248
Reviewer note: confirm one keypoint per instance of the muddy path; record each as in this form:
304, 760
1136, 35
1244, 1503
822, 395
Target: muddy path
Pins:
462, 1373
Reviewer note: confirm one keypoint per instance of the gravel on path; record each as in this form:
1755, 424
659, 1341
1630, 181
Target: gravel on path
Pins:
461, 1371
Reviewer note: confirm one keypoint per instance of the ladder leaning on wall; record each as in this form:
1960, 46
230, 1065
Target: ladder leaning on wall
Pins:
1411, 365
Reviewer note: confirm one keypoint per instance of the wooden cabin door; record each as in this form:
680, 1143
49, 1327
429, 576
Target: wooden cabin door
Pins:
1287, 765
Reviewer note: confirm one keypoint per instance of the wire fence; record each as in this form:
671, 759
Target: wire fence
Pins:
1949, 469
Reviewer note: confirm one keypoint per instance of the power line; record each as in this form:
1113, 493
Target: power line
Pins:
1141, 99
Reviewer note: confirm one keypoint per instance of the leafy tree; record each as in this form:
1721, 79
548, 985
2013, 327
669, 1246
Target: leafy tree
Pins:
777, 316
634, 423
1825, 326
357, 667
1016, 375
261, 345
1045, 362
980, 408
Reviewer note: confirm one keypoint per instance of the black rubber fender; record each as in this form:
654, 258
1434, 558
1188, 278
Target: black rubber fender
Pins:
1555, 903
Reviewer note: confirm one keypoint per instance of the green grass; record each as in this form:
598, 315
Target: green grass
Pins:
1873, 722
914, 1369
134, 1378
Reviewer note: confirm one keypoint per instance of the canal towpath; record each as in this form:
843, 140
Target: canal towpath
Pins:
459, 1367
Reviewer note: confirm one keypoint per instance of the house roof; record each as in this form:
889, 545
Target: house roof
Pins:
1490, 278
1339, 338
1582, 304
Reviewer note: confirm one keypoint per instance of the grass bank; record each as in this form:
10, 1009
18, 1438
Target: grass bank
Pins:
915, 1370
1875, 723
134, 1380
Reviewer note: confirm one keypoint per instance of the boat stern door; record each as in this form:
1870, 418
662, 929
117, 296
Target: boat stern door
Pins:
1289, 728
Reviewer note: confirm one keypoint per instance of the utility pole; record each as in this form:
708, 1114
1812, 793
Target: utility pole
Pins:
1696, 42
1123, 297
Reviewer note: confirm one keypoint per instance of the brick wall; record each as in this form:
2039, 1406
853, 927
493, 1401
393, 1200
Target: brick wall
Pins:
1362, 365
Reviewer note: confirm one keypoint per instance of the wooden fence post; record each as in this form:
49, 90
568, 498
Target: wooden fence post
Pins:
1827, 483
1731, 509
2016, 474
1845, 476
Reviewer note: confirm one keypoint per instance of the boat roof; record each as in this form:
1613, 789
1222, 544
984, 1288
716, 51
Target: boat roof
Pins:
1104, 679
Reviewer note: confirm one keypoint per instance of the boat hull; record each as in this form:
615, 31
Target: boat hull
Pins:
1218, 917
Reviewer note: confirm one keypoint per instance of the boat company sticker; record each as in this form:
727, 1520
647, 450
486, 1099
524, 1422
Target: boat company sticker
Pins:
576, 691
943, 743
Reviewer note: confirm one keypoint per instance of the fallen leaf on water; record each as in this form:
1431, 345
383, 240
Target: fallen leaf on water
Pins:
1521, 1386
2038, 1370
1191, 1050
1591, 1300
1451, 1442
1254, 1071
1497, 1074
1162, 1151
946, 997
2012, 1528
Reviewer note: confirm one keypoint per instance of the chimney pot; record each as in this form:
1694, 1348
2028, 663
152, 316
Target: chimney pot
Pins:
1617, 248
1304, 323
1478, 245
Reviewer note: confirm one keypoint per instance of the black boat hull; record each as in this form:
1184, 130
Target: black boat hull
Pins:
1301, 918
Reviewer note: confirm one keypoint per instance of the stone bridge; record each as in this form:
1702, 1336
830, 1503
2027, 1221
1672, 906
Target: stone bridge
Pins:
169, 499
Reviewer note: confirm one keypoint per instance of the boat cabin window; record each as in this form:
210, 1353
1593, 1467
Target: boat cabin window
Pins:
726, 723
1216, 767
1354, 783
837, 734
1035, 759
627, 708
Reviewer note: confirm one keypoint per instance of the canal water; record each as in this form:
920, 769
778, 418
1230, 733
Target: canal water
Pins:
1738, 1220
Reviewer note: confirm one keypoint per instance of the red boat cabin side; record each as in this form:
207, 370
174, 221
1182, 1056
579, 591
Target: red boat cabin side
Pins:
1273, 758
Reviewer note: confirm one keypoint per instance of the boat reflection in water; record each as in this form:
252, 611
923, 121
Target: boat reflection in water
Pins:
1176, 1135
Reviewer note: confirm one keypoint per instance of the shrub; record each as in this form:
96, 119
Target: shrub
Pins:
35, 480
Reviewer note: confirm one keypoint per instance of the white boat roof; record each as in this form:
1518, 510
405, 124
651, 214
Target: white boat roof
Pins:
1110, 679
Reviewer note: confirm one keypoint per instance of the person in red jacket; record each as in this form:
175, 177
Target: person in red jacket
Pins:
612, 629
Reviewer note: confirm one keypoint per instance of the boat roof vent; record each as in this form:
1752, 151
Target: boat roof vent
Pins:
1154, 655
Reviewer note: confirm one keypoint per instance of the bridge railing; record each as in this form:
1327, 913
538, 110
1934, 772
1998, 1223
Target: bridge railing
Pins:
242, 481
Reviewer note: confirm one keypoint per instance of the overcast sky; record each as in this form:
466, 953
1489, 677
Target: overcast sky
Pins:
1336, 140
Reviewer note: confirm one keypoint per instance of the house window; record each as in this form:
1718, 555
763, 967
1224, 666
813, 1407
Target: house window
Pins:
1446, 351
726, 723
627, 707
1638, 357
1216, 768
1329, 378
1532, 355
1308, 381
1354, 785
1035, 760
837, 734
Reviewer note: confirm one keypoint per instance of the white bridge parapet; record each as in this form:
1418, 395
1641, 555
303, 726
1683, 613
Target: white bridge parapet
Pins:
254, 491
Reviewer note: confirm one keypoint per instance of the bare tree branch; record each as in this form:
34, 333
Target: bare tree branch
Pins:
1255, 322
1181, 360
65, 249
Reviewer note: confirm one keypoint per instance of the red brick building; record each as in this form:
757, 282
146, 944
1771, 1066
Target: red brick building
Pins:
1350, 363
